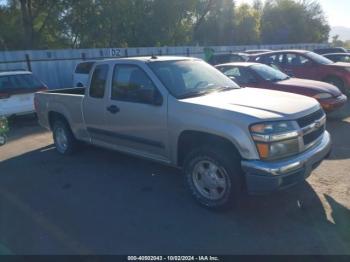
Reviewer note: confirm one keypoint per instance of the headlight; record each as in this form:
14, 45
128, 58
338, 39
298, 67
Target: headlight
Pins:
322, 96
275, 139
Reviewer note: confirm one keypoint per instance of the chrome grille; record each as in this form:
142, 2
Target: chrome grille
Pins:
309, 119
309, 138
312, 127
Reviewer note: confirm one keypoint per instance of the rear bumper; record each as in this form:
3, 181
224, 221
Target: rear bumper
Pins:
333, 103
264, 177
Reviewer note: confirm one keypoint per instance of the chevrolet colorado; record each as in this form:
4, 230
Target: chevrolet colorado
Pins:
185, 113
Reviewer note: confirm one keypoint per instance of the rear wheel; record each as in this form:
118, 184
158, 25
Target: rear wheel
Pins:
213, 176
63, 137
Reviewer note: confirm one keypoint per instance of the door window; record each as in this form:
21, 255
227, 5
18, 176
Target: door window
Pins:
132, 84
242, 75
98, 81
295, 60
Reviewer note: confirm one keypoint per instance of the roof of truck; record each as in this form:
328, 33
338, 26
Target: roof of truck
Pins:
151, 58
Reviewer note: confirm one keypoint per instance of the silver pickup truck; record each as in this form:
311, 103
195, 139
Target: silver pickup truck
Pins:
185, 113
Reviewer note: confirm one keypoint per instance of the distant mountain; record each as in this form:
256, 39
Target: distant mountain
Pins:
342, 31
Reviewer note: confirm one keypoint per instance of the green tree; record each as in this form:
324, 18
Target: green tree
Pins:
247, 25
215, 24
288, 21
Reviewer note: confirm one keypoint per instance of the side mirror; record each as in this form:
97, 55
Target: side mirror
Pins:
233, 78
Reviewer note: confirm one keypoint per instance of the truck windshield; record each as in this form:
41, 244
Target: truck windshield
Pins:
268, 73
188, 78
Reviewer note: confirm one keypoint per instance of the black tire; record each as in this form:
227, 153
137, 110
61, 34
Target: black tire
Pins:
338, 83
226, 160
71, 144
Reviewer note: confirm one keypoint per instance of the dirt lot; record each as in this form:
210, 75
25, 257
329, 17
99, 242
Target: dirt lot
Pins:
102, 202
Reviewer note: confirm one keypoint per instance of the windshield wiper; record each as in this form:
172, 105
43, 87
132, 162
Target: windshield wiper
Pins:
226, 88
195, 93
206, 91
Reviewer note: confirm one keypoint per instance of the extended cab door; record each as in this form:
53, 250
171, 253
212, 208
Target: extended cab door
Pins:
136, 112
94, 103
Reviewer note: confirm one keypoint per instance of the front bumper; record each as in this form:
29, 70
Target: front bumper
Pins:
333, 103
265, 177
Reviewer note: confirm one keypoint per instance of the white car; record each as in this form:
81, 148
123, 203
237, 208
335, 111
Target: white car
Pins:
17, 90
81, 73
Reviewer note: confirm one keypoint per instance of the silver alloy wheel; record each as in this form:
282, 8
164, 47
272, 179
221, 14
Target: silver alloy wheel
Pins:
61, 139
210, 180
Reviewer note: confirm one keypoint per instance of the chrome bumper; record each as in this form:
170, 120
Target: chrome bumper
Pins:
264, 177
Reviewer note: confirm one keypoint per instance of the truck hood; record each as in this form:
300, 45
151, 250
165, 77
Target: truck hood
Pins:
258, 103
309, 87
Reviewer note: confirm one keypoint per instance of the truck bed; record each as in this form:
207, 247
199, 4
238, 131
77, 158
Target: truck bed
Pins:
66, 102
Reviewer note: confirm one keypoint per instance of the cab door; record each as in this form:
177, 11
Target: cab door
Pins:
94, 104
136, 112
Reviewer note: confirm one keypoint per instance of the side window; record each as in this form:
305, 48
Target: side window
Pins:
132, 84
242, 75
246, 76
295, 60
233, 72
345, 59
98, 81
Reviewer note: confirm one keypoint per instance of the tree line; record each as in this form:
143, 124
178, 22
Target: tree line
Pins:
47, 24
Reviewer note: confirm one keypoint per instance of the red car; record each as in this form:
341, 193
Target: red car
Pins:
308, 65
263, 76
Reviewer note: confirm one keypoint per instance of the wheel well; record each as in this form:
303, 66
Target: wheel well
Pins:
332, 77
193, 139
54, 116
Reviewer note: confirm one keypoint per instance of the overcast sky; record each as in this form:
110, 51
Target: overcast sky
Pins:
337, 11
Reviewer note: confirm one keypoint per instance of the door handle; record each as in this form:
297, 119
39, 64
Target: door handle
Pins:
113, 109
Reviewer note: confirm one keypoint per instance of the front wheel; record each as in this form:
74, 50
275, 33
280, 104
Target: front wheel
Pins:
213, 177
63, 137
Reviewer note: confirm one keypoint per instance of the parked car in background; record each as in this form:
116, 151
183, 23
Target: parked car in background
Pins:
256, 51
308, 65
263, 76
227, 58
322, 51
183, 112
81, 73
338, 57
4, 128
17, 90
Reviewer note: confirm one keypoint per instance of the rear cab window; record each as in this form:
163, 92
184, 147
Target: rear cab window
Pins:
84, 68
98, 81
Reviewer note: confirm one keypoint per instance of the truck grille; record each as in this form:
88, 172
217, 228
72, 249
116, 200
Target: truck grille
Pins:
312, 131
309, 138
309, 119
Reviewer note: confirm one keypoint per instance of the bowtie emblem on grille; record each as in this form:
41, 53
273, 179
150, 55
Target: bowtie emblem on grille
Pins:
318, 123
